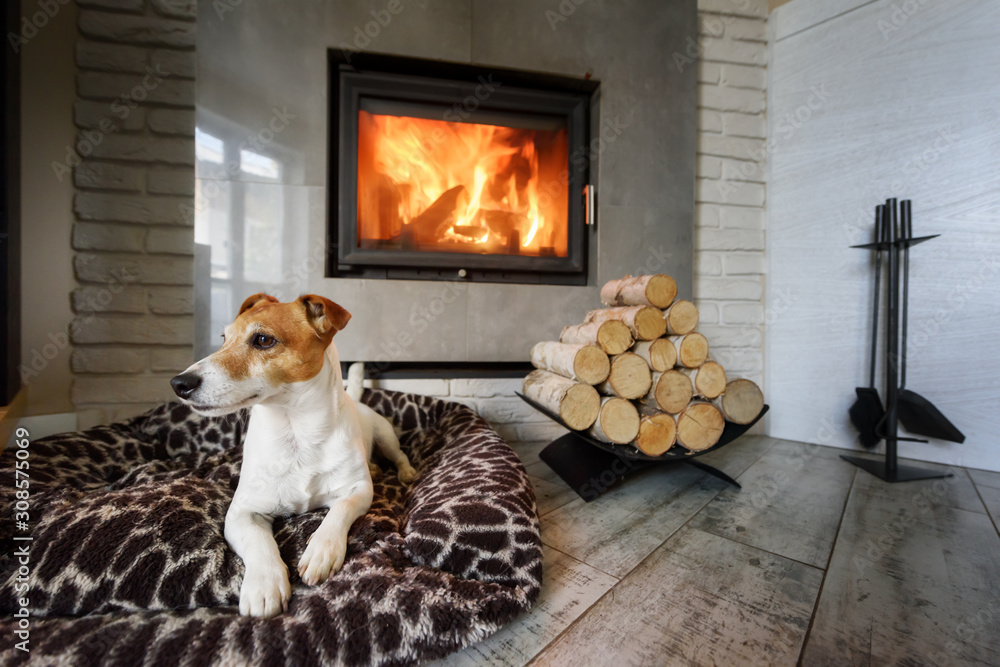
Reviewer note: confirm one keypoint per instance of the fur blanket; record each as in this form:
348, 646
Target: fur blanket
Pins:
128, 563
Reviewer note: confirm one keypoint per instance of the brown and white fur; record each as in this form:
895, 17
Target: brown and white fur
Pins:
308, 444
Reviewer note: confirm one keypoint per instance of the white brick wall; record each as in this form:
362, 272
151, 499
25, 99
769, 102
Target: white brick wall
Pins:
134, 178
493, 398
730, 190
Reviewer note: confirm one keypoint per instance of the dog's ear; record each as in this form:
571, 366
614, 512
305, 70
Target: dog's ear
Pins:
254, 300
326, 316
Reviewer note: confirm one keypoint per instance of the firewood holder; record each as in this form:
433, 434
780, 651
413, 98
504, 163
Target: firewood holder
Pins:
591, 467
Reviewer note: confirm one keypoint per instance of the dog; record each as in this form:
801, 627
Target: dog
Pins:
308, 444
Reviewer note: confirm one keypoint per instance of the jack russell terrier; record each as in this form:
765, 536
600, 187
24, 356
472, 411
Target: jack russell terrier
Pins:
308, 444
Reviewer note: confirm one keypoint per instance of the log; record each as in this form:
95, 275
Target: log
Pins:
644, 322
742, 401
586, 363
576, 404
430, 225
660, 354
708, 380
681, 318
657, 432
617, 421
629, 377
671, 391
658, 290
692, 349
612, 336
699, 426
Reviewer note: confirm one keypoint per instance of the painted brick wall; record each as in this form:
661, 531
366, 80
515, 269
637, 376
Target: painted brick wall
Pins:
493, 399
133, 171
730, 190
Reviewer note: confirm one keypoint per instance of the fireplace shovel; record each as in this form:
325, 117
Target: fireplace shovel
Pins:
867, 411
917, 414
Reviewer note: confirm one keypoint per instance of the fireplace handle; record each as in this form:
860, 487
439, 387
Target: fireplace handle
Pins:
589, 195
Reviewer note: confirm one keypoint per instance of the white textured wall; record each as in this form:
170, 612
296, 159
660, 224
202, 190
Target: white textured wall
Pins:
868, 101
730, 193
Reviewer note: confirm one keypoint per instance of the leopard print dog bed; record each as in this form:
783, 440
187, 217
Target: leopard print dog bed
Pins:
128, 563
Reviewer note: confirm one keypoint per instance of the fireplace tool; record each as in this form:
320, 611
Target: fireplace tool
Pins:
887, 428
867, 411
917, 414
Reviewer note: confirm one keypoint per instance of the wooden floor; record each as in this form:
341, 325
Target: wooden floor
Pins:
814, 562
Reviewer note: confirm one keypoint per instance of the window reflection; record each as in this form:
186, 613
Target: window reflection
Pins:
240, 213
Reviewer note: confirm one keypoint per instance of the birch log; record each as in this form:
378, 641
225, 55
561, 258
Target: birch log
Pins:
671, 391
644, 322
586, 363
617, 421
660, 354
708, 380
657, 433
657, 290
699, 426
612, 336
576, 404
742, 401
681, 318
629, 377
692, 349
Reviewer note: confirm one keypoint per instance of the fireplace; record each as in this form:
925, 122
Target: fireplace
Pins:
440, 170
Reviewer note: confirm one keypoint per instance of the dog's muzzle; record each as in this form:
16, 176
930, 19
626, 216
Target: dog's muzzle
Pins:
185, 384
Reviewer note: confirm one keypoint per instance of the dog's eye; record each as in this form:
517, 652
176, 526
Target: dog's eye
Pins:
263, 341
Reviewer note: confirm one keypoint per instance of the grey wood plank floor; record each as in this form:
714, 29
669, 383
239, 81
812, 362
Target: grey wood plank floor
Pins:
813, 562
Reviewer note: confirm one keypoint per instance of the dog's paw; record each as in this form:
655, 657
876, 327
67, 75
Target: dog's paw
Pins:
374, 470
265, 593
321, 558
406, 473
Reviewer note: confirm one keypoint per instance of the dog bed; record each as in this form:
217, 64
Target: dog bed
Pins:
128, 563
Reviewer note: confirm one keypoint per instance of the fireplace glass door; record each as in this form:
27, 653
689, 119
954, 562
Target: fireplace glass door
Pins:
471, 173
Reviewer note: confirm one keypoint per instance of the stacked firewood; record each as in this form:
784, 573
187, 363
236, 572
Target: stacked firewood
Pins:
637, 372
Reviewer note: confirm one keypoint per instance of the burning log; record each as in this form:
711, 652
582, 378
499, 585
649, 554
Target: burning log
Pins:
657, 432
612, 336
657, 290
644, 322
576, 404
742, 401
629, 377
671, 391
429, 226
708, 380
681, 318
692, 349
699, 426
660, 354
502, 223
617, 421
584, 363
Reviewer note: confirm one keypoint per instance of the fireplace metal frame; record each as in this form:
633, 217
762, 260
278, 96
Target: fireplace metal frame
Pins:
450, 87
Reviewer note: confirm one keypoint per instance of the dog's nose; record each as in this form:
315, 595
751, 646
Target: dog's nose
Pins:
185, 384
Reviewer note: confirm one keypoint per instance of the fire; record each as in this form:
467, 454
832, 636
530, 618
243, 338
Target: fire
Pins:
461, 187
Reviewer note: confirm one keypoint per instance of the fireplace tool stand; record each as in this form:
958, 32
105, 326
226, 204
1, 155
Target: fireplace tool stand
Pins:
591, 467
893, 241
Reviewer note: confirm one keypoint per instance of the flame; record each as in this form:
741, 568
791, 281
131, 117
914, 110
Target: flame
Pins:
465, 187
